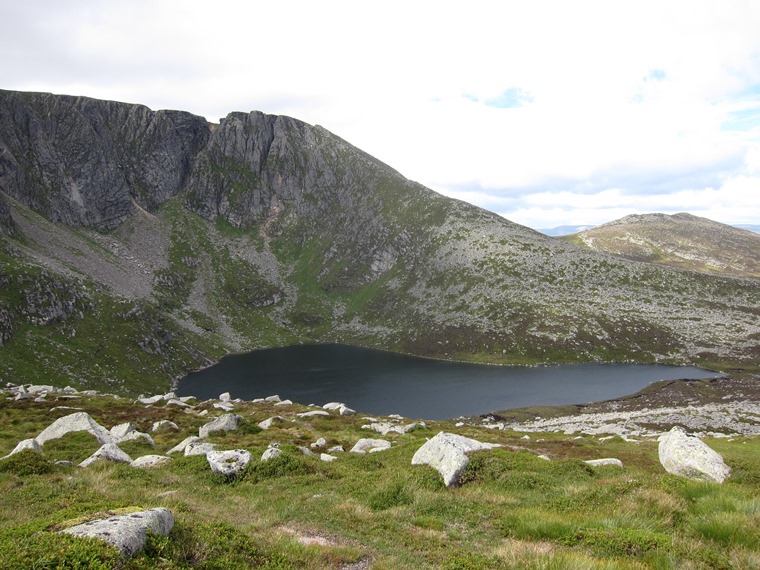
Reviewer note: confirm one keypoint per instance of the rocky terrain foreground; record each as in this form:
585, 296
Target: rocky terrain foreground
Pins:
100, 481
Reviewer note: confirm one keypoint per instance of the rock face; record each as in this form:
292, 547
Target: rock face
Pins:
447, 453
687, 456
228, 463
7, 226
128, 533
78, 421
86, 162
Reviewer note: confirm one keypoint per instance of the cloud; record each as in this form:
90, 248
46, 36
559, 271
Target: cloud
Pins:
491, 103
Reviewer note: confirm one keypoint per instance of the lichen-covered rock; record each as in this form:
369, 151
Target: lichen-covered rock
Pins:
267, 423
25, 444
164, 425
271, 453
108, 452
180, 447
149, 461
367, 445
227, 422
228, 463
198, 448
127, 532
78, 421
447, 453
687, 456
121, 430
611, 461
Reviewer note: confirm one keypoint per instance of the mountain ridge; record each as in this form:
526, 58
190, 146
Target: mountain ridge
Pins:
193, 240
679, 240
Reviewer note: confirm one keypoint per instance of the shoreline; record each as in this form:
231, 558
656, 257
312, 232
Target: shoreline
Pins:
726, 406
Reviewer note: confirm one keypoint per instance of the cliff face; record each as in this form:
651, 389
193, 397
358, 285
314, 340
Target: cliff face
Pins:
84, 162
264, 230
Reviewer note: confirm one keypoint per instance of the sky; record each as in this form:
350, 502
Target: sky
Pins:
548, 112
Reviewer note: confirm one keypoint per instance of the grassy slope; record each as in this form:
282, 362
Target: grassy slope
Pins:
514, 509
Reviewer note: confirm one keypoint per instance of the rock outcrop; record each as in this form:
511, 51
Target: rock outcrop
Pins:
687, 456
447, 453
127, 532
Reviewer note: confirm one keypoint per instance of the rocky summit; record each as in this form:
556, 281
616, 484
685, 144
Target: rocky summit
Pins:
138, 245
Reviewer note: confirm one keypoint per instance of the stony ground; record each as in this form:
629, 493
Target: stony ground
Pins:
724, 406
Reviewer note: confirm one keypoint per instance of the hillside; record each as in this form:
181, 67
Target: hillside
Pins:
139, 244
314, 503
680, 240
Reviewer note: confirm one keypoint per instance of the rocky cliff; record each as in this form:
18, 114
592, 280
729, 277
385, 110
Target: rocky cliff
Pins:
194, 239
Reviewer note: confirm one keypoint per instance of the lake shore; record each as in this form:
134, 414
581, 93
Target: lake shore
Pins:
724, 407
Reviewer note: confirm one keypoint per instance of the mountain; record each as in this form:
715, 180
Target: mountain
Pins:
142, 244
680, 240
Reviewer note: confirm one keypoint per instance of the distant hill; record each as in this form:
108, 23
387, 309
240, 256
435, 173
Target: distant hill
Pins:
679, 240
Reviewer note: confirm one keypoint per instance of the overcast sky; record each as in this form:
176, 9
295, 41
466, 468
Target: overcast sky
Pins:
547, 112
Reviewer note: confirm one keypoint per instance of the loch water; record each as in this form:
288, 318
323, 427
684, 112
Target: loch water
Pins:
383, 383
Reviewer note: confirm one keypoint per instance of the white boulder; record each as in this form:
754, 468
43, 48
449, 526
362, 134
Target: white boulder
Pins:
228, 463
108, 452
180, 447
687, 456
148, 461
367, 445
121, 430
164, 425
227, 422
313, 413
128, 532
447, 453
271, 453
198, 448
78, 421
25, 444
267, 423
604, 462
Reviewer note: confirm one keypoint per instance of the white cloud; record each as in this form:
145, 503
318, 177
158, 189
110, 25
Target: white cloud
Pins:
652, 98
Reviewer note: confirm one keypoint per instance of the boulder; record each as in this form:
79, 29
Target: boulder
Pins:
226, 397
687, 456
327, 457
178, 403
346, 411
447, 453
271, 453
78, 421
366, 445
198, 448
336, 449
180, 447
226, 406
312, 414
25, 444
164, 425
121, 430
267, 423
274, 398
228, 463
135, 435
150, 401
227, 422
333, 406
604, 462
321, 442
148, 461
284, 403
128, 532
109, 452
